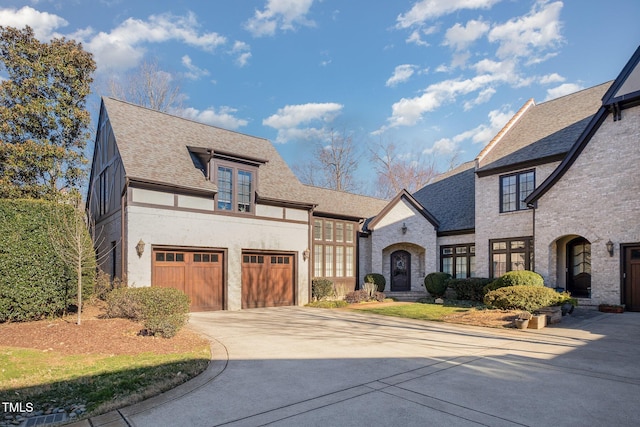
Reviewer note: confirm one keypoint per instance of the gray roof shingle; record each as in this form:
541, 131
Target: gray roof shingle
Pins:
545, 130
153, 147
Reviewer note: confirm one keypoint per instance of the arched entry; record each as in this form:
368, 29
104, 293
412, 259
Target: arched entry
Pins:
400, 271
579, 267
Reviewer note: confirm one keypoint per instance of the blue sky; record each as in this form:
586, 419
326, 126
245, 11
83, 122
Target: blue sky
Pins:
432, 76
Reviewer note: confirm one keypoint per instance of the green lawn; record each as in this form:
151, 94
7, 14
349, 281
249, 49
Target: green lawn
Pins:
49, 379
434, 312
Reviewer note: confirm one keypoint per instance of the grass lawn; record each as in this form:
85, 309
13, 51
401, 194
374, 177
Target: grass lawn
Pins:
434, 312
50, 379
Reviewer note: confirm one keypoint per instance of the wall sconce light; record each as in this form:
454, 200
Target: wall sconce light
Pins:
610, 247
404, 228
140, 248
305, 254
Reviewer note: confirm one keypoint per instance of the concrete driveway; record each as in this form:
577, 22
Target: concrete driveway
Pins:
297, 366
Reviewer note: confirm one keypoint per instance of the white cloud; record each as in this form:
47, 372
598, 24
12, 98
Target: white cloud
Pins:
44, 24
551, 78
294, 115
242, 50
484, 96
123, 47
416, 35
481, 134
223, 118
194, 72
460, 37
279, 14
562, 90
531, 34
401, 74
288, 120
426, 10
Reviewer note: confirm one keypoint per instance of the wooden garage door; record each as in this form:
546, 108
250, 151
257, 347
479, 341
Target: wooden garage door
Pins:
267, 280
197, 274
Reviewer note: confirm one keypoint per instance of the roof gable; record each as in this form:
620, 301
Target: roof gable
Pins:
403, 195
627, 85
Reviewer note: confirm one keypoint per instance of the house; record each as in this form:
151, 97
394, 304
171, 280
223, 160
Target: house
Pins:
556, 191
214, 213
220, 215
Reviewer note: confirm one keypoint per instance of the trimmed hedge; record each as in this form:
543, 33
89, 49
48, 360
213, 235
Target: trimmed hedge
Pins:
516, 278
471, 289
436, 284
163, 311
529, 298
361, 295
321, 288
35, 282
378, 279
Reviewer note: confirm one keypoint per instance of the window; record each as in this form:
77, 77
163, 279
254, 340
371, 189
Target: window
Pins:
514, 189
510, 255
458, 260
235, 189
334, 253
170, 256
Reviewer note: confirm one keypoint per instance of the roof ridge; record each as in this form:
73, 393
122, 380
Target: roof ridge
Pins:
576, 92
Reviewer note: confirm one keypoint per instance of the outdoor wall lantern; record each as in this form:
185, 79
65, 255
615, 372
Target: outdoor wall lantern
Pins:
610, 247
404, 228
140, 248
305, 254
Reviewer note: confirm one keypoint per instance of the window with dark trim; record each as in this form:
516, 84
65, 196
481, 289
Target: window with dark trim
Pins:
236, 187
333, 248
510, 255
514, 189
458, 260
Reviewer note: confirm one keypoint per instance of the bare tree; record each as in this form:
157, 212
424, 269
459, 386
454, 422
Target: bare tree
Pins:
150, 87
335, 160
396, 172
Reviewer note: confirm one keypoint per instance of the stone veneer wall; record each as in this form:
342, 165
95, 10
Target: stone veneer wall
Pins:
491, 224
599, 199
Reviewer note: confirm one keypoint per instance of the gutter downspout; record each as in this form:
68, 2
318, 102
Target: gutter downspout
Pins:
532, 206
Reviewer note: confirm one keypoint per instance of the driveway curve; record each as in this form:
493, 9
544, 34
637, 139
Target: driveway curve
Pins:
295, 366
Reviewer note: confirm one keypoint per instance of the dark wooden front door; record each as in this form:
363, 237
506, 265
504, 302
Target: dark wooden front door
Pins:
632, 278
579, 268
400, 271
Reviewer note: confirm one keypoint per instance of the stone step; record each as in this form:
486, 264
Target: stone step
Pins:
409, 296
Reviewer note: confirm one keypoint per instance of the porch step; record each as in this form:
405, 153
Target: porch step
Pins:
410, 296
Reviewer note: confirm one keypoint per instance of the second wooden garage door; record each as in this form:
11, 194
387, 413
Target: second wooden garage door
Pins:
267, 280
197, 274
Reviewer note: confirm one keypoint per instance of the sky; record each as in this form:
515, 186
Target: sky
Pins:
433, 77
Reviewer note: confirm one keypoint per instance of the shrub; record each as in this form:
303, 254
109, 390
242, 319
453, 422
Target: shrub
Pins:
321, 288
379, 296
516, 278
355, 297
35, 281
529, 298
436, 284
471, 289
163, 311
328, 304
378, 279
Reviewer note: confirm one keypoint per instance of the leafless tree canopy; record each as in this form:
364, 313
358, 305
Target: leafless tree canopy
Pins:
395, 173
335, 160
150, 87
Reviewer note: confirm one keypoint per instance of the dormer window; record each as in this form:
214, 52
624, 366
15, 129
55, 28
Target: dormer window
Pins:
235, 188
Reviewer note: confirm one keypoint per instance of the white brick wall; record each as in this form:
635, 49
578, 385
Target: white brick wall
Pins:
598, 198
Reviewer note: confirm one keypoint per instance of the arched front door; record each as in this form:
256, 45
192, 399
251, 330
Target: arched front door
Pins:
400, 271
579, 267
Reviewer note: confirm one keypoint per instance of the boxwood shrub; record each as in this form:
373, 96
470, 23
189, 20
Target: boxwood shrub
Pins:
378, 279
436, 284
471, 289
529, 298
516, 278
321, 288
35, 282
163, 311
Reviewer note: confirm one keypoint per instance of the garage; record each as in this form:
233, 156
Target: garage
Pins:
267, 280
199, 274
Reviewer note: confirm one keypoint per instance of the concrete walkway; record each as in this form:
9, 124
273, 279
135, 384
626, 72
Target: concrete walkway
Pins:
311, 367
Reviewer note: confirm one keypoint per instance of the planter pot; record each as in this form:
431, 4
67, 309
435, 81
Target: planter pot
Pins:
538, 322
607, 308
567, 308
522, 323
